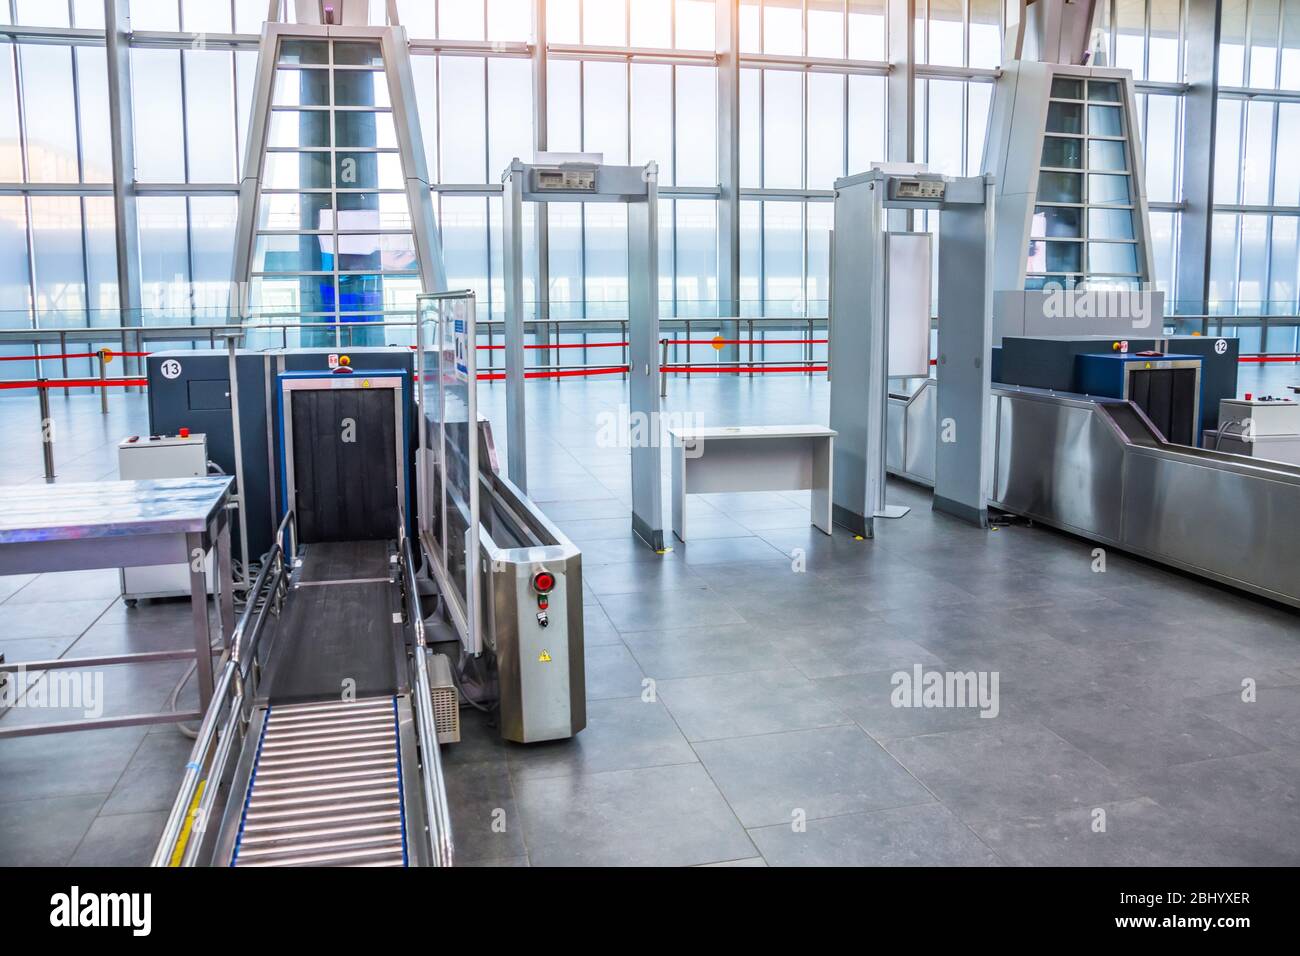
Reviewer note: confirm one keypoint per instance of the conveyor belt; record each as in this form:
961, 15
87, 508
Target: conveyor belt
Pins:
329, 561
326, 788
337, 632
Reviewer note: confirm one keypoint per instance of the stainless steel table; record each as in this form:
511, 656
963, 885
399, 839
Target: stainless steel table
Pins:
123, 524
753, 458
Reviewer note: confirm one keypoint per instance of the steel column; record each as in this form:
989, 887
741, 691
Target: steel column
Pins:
1200, 116
512, 273
900, 95
728, 49
541, 215
126, 232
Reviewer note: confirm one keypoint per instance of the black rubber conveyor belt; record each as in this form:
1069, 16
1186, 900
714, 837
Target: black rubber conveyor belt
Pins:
338, 626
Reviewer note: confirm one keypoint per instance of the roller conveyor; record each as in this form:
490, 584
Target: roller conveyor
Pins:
322, 782
326, 787
304, 771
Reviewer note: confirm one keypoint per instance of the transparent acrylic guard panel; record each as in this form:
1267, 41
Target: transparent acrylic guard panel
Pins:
449, 408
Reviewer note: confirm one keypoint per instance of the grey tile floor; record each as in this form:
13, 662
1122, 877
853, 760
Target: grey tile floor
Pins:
739, 708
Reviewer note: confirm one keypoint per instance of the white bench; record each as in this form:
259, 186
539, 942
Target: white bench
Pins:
753, 458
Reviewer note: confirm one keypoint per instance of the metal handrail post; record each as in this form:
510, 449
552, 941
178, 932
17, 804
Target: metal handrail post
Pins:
663, 363
230, 682
193, 769
688, 349
103, 382
750, 345
808, 348
437, 811
47, 430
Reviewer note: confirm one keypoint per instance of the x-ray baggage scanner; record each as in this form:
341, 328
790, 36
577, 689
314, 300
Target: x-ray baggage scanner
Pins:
594, 182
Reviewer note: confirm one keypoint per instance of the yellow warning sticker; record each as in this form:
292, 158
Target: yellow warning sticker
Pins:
544, 657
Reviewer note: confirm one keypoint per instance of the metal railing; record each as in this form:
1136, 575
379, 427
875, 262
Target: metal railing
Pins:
191, 811
749, 350
434, 789
398, 331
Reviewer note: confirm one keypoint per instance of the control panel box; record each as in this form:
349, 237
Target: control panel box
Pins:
142, 457
1268, 416
922, 190
565, 179
162, 456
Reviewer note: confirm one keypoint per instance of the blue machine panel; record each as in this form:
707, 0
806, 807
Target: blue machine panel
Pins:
1168, 388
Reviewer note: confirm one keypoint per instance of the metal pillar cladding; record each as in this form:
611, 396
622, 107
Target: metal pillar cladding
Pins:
1027, 297
565, 180
859, 340
395, 51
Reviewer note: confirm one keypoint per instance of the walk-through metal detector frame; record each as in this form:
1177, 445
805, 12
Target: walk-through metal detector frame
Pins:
859, 340
637, 186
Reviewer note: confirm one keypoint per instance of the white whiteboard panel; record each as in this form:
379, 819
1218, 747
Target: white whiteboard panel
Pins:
909, 304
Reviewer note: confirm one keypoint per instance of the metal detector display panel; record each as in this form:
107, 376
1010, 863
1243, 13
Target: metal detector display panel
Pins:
450, 490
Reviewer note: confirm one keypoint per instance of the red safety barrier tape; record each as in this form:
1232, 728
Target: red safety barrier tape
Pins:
1269, 358
76, 383
559, 373
47, 358
70, 355
742, 368
743, 341
563, 345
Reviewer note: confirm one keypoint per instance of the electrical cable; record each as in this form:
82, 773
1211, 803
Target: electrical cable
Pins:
173, 698
456, 679
1223, 428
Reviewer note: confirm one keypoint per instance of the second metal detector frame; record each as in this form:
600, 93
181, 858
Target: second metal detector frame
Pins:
637, 186
859, 341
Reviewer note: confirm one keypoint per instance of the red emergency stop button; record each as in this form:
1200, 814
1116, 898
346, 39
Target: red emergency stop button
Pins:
184, 433
543, 582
